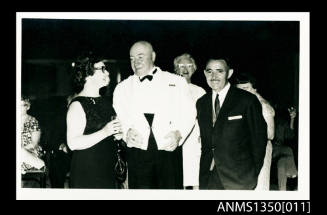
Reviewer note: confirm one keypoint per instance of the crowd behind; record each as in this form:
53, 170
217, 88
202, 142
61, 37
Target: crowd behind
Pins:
171, 133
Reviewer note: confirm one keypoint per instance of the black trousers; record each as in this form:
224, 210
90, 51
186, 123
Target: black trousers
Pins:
214, 182
59, 167
153, 168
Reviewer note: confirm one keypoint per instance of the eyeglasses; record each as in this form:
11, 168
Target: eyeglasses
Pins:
103, 68
183, 66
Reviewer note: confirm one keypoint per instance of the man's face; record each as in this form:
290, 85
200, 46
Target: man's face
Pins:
247, 86
185, 68
217, 75
142, 59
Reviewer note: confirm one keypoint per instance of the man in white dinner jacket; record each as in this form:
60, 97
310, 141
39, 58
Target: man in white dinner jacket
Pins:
157, 115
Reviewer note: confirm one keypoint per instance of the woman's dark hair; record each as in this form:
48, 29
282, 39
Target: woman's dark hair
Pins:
82, 68
24, 97
244, 78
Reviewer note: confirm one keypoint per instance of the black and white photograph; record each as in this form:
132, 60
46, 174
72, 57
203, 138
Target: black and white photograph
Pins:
162, 105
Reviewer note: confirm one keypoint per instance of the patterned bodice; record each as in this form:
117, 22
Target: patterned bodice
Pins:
29, 127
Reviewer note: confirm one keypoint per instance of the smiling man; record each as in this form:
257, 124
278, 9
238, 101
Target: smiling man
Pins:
157, 115
233, 133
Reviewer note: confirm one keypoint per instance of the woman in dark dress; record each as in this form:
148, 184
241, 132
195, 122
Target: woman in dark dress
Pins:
90, 130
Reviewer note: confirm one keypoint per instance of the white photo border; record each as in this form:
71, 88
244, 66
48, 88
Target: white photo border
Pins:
303, 192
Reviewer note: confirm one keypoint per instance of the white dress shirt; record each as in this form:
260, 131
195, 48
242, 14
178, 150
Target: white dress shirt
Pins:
166, 96
222, 95
145, 95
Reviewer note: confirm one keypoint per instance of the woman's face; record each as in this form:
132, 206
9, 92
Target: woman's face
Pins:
101, 75
185, 68
25, 106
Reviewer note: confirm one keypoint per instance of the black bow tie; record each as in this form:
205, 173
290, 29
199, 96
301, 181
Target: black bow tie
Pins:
149, 77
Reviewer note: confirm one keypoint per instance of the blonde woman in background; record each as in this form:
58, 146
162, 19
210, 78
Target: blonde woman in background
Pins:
184, 65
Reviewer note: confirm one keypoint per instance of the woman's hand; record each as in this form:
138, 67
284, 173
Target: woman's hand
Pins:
118, 136
63, 148
113, 127
36, 150
29, 147
292, 112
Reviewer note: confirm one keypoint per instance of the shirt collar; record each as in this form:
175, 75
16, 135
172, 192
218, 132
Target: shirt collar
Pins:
222, 93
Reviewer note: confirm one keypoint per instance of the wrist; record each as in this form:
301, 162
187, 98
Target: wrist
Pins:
104, 133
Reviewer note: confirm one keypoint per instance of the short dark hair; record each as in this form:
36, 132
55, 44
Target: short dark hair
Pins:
214, 58
83, 67
244, 78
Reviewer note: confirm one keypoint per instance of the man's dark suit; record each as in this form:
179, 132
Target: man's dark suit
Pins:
237, 144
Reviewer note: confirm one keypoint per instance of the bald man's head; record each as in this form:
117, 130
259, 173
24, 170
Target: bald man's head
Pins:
142, 57
144, 44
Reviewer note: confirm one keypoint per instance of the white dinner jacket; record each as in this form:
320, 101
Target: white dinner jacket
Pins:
174, 110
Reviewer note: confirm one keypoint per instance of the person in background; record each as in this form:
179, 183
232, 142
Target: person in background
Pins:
247, 82
90, 130
185, 66
233, 132
30, 137
283, 146
60, 154
157, 115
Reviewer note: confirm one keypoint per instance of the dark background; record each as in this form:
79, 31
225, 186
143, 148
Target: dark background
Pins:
267, 49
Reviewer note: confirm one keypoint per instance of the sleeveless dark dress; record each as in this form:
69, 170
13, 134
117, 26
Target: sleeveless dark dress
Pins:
94, 167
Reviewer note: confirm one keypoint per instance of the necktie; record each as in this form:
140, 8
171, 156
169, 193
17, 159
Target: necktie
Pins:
217, 109
217, 105
215, 116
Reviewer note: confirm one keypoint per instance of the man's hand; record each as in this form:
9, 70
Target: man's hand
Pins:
134, 138
174, 138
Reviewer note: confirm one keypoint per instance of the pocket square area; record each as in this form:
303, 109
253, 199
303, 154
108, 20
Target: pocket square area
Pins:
235, 117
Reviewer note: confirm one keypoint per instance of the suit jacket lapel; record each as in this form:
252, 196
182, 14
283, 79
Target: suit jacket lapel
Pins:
209, 110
